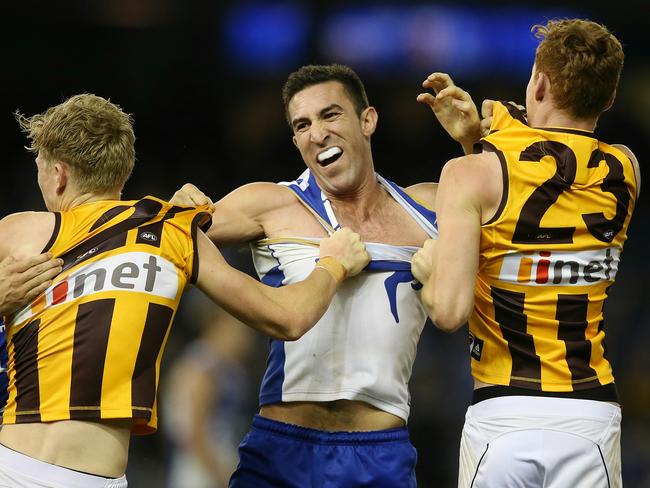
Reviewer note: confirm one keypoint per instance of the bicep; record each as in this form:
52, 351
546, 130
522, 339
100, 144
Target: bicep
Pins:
459, 225
240, 216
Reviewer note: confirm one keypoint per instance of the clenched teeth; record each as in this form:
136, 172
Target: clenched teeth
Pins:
329, 153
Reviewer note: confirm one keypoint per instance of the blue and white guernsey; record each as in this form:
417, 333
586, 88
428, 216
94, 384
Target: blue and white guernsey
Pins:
364, 346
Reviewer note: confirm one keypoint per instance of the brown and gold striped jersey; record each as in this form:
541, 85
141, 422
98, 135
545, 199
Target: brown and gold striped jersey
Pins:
90, 347
549, 256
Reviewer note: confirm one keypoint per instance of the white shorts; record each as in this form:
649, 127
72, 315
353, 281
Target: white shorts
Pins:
525, 441
20, 471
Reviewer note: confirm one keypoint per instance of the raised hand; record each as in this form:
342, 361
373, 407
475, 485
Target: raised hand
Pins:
454, 109
346, 247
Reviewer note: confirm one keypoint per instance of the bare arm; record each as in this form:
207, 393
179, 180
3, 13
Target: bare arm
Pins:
239, 216
24, 274
635, 163
286, 312
452, 260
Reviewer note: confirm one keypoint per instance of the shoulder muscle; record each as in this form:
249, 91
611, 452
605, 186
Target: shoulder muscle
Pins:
635, 164
29, 232
423, 193
240, 215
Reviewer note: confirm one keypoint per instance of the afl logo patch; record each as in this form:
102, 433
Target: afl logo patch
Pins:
149, 236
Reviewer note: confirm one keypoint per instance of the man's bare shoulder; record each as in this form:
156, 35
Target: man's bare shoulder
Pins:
472, 167
261, 194
423, 193
635, 164
476, 178
28, 231
251, 212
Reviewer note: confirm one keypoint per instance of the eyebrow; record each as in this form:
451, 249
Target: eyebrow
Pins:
294, 122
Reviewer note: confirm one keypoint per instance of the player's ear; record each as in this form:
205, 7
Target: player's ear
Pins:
369, 118
542, 86
610, 102
62, 173
295, 141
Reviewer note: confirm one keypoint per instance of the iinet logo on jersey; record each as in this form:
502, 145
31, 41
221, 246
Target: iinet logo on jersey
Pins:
551, 268
132, 272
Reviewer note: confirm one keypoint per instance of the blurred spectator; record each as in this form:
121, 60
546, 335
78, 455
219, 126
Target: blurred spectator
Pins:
206, 397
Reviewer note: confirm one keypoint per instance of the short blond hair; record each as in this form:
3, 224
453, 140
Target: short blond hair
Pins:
583, 61
90, 134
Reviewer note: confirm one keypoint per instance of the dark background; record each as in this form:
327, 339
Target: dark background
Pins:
203, 79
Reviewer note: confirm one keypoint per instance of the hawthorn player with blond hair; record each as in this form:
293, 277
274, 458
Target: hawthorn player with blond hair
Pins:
84, 356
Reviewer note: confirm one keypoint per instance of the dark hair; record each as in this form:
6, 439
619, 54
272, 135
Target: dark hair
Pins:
583, 61
315, 74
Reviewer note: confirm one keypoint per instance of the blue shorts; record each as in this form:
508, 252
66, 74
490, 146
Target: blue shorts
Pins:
275, 454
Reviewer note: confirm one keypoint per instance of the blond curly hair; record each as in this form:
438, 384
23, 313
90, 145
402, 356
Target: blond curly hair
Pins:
90, 134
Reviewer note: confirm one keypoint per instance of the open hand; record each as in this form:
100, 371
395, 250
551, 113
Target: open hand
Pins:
453, 107
22, 280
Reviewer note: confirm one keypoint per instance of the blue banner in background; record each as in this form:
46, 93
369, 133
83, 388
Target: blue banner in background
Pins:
386, 40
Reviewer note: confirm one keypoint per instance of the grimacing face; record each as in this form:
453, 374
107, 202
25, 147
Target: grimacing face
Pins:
332, 139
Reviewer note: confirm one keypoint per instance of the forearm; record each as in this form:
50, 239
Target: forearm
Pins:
448, 305
284, 313
289, 311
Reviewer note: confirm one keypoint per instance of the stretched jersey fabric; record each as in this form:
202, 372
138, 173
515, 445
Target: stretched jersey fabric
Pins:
549, 256
4, 379
364, 346
90, 347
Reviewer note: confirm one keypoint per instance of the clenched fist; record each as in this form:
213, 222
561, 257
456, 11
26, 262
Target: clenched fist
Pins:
190, 196
422, 261
347, 248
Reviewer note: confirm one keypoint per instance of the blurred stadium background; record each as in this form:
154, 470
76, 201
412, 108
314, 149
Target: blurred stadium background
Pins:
203, 78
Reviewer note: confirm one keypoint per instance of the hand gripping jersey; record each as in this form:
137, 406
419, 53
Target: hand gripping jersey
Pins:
90, 347
364, 346
549, 256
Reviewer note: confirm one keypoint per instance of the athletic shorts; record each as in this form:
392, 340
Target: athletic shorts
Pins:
275, 454
541, 442
20, 471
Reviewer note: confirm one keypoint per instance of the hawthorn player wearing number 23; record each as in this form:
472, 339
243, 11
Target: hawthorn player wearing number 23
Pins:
543, 212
